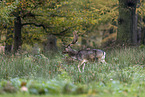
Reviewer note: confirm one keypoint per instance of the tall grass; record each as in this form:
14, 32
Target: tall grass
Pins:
121, 65
123, 73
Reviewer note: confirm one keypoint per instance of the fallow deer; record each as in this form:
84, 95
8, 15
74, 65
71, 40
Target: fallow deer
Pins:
84, 55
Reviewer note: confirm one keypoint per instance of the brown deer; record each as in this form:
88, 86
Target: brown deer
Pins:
84, 55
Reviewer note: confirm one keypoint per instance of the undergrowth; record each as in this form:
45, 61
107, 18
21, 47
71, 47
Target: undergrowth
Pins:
123, 73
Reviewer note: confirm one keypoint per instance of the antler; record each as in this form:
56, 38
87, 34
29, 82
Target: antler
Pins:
68, 47
75, 38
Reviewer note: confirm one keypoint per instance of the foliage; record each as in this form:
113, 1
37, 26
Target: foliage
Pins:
92, 18
58, 17
5, 12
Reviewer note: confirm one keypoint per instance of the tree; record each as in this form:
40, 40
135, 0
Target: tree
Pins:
9, 42
143, 32
6, 23
33, 20
127, 22
16, 15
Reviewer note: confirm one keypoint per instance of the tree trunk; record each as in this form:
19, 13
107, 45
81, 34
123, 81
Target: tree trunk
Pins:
50, 45
143, 36
143, 32
127, 22
134, 27
139, 29
9, 41
17, 34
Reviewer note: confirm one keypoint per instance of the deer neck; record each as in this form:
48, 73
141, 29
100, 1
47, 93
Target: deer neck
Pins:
73, 54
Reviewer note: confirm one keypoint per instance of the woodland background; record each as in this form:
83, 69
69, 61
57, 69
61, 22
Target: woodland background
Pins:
33, 34
50, 23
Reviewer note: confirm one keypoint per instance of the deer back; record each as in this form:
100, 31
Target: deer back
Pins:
90, 54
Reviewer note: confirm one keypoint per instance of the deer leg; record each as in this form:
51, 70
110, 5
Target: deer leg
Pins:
83, 62
103, 58
79, 67
103, 61
99, 60
83, 67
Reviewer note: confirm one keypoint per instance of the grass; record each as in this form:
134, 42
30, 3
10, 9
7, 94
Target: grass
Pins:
123, 75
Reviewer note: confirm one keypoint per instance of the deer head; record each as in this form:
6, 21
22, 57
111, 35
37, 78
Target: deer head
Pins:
68, 50
84, 56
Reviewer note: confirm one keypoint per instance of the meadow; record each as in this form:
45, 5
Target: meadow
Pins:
123, 75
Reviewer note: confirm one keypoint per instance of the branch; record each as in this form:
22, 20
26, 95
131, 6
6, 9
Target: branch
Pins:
62, 33
55, 15
29, 14
37, 25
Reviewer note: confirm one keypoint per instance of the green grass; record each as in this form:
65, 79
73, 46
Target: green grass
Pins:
123, 75
28, 95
